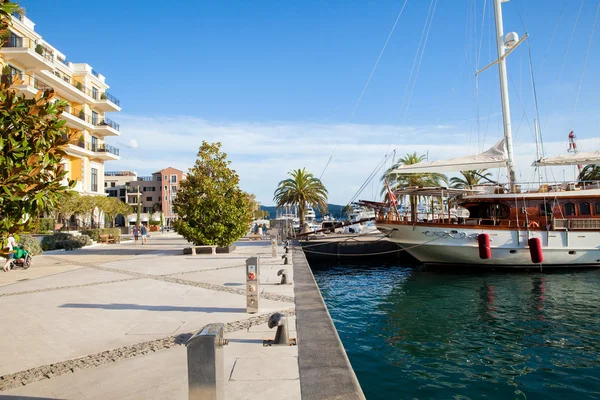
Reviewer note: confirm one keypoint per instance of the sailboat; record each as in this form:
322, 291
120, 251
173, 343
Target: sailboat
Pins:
555, 225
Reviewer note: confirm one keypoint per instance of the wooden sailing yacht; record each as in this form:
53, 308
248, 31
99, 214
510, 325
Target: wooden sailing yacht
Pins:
556, 225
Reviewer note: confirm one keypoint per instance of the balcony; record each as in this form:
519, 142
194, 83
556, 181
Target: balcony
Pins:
107, 102
106, 127
106, 152
79, 148
77, 119
25, 83
30, 54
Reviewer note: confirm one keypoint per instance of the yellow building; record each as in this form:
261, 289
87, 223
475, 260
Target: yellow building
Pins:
40, 66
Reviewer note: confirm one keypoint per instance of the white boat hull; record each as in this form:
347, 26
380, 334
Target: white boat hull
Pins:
458, 246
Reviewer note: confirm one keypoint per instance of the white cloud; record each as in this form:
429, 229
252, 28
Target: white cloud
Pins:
262, 153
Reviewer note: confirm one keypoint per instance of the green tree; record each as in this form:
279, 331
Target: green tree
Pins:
469, 178
211, 207
590, 173
85, 207
399, 181
111, 207
301, 190
32, 136
68, 206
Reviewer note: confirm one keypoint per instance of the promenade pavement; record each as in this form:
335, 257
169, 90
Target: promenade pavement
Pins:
110, 321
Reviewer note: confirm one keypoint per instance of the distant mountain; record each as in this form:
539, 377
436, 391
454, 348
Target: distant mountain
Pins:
334, 210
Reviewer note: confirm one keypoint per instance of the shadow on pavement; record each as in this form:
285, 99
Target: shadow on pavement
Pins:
123, 306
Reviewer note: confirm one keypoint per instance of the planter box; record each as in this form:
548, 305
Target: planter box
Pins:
154, 228
208, 250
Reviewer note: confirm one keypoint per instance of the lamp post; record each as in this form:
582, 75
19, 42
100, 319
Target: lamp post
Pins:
139, 197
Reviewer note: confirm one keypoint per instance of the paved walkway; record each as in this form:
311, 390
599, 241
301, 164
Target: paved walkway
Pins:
109, 322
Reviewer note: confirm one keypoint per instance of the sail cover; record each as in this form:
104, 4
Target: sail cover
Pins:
569, 159
492, 158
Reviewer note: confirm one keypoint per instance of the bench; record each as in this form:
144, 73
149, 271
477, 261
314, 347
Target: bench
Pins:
109, 239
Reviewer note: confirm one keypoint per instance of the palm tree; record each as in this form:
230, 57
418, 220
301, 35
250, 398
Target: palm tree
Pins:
590, 173
469, 178
300, 190
398, 181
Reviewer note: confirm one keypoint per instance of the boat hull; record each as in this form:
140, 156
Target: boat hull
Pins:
457, 245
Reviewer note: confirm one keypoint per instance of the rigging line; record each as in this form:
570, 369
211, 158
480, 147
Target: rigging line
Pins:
585, 64
566, 54
377, 168
553, 35
410, 76
420, 60
481, 35
368, 80
379, 58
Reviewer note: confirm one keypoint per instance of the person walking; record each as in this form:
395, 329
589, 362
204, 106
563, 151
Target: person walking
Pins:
136, 233
144, 234
264, 231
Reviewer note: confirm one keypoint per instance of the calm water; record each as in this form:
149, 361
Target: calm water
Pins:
416, 333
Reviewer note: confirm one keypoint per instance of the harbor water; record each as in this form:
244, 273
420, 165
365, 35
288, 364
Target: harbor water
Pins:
411, 332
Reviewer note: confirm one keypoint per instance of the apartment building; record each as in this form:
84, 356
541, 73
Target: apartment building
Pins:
156, 193
116, 183
39, 65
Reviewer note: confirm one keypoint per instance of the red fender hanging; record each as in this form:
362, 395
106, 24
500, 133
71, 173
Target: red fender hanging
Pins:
485, 252
535, 250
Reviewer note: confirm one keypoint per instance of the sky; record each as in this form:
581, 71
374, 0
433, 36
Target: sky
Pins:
283, 85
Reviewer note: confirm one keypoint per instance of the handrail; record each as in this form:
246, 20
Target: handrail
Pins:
27, 79
110, 98
107, 122
105, 148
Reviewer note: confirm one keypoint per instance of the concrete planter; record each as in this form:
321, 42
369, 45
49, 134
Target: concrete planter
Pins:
208, 250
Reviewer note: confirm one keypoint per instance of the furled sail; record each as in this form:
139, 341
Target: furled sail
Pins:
569, 159
492, 158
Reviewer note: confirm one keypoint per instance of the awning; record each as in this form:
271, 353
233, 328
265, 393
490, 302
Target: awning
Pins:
569, 159
493, 158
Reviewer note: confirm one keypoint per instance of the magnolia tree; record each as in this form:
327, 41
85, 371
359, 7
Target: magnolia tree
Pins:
211, 207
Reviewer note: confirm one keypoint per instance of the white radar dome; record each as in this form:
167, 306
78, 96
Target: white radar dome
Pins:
511, 39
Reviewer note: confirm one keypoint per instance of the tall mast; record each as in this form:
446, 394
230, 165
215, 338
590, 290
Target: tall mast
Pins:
500, 43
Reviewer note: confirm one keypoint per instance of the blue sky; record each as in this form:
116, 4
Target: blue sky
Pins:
277, 82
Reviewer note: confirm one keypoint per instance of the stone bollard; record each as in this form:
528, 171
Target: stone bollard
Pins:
283, 273
274, 248
282, 337
285, 259
206, 367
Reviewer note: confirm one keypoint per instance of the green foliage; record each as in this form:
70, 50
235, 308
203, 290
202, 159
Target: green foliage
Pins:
39, 49
212, 209
301, 190
31, 244
103, 96
112, 206
68, 206
46, 224
590, 173
32, 137
94, 234
154, 223
65, 241
469, 178
162, 222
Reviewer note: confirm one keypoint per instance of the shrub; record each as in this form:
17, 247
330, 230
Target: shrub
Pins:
65, 241
94, 234
46, 224
154, 223
31, 244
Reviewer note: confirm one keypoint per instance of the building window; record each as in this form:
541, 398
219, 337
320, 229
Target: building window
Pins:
545, 210
149, 198
173, 189
597, 208
166, 188
105, 184
166, 178
94, 118
95, 93
122, 192
569, 209
94, 180
94, 143
584, 209
158, 178
113, 184
173, 178
165, 198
